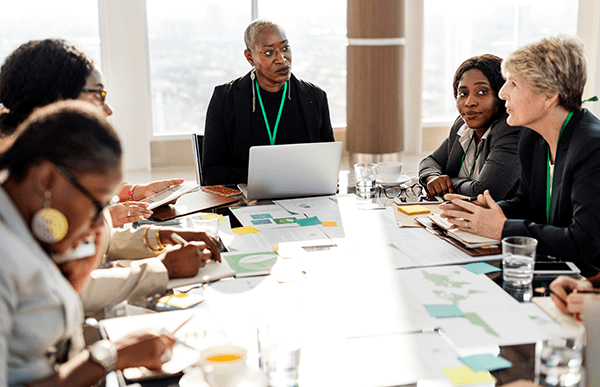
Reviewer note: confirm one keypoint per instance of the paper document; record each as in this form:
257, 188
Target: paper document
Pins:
470, 240
268, 239
211, 272
251, 263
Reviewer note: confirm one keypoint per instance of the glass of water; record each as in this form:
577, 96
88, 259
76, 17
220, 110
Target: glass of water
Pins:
518, 259
366, 180
559, 362
279, 355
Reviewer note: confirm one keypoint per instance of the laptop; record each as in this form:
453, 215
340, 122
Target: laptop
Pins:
293, 170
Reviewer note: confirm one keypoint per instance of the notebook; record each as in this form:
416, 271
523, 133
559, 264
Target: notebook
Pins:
294, 170
468, 239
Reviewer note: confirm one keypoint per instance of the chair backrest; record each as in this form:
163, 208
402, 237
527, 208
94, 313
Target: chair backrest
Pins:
197, 140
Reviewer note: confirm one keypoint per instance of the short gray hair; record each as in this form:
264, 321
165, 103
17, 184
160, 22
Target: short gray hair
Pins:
255, 27
552, 65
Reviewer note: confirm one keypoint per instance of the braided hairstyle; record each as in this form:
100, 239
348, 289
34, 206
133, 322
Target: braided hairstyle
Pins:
38, 73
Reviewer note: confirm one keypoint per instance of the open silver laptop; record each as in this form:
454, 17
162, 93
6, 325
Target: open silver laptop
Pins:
294, 170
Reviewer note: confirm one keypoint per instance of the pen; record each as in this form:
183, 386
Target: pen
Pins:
471, 199
177, 238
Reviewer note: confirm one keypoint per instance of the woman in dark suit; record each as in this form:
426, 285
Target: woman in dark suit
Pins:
556, 202
480, 152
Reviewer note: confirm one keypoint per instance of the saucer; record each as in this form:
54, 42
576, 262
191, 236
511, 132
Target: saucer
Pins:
193, 377
401, 180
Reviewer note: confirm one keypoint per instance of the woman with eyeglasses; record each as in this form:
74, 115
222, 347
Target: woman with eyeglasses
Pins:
56, 180
481, 151
40, 72
44, 71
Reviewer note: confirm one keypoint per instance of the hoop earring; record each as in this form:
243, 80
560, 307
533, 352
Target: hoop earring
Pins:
49, 225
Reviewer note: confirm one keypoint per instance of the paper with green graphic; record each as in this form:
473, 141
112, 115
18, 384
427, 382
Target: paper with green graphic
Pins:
251, 263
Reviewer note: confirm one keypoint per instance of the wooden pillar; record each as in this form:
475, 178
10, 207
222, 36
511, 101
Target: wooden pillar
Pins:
374, 76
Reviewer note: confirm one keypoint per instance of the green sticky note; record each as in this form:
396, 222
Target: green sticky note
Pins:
314, 221
485, 362
444, 310
480, 268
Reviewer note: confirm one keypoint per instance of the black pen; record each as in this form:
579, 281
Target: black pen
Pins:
471, 199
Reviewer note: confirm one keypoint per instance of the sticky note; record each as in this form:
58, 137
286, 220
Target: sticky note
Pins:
465, 375
486, 362
261, 216
480, 268
313, 221
244, 230
444, 310
414, 209
329, 224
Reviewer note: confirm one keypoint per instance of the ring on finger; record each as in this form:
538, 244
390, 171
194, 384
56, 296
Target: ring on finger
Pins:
128, 213
127, 203
467, 224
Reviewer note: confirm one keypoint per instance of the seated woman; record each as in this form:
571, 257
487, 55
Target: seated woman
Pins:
57, 179
556, 202
481, 151
30, 79
268, 105
39, 72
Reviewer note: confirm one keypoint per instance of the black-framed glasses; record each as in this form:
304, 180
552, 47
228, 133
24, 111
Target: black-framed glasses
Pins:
73, 180
101, 94
404, 193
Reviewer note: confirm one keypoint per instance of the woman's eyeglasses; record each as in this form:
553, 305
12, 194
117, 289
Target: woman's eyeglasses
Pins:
100, 94
404, 193
73, 180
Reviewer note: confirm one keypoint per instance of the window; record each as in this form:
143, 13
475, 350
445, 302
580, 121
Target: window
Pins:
196, 45
318, 41
75, 21
458, 30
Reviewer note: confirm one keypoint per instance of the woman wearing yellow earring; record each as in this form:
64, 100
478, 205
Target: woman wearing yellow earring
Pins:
56, 181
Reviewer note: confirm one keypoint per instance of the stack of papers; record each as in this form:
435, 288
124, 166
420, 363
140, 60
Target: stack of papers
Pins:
468, 239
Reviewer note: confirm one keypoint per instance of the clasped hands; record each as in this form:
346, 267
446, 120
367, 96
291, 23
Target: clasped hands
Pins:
483, 217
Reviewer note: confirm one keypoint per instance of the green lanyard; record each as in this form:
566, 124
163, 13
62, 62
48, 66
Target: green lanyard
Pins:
271, 136
550, 176
465, 154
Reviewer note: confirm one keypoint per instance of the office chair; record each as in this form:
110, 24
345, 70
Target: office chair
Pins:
197, 142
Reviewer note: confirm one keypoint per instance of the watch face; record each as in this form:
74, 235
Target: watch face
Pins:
104, 353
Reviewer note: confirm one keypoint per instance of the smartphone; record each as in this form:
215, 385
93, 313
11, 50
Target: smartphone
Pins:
554, 269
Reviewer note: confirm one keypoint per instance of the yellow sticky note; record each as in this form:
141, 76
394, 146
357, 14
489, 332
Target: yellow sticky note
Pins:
212, 216
329, 224
244, 230
465, 375
413, 209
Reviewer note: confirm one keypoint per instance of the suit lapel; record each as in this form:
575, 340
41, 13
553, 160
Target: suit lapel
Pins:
243, 109
309, 108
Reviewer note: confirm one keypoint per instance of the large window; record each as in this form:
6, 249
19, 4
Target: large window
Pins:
75, 21
196, 45
459, 29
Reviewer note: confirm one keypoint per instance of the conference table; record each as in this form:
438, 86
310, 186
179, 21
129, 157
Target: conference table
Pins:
356, 297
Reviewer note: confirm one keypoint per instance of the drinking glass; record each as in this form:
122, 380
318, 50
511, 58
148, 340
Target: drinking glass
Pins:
209, 223
558, 362
518, 259
279, 355
366, 178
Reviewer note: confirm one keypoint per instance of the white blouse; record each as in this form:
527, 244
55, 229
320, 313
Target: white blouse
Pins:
38, 307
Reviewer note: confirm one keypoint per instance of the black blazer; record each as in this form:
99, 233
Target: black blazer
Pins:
499, 173
573, 232
227, 131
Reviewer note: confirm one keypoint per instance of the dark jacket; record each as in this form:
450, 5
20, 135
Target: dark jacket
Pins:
573, 232
499, 172
227, 131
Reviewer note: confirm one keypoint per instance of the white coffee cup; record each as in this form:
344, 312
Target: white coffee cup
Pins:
389, 171
224, 365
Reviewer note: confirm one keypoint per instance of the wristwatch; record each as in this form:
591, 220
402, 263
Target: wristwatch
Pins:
103, 353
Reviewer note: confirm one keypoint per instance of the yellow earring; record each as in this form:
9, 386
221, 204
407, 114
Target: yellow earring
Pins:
49, 225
